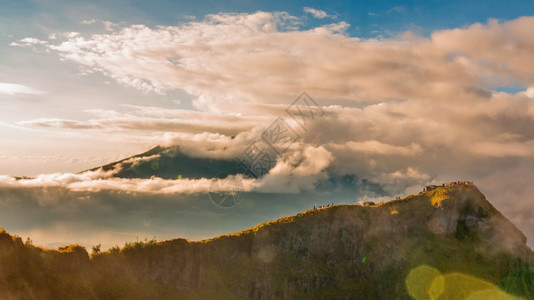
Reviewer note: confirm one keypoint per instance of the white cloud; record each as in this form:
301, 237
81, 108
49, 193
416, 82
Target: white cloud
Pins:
529, 92
378, 148
87, 22
228, 50
397, 9
94, 181
145, 120
408, 174
231, 50
29, 40
109, 25
15, 89
316, 13
296, 172
336, 28
417, 83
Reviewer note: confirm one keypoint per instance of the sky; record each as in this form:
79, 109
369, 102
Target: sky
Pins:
409, 93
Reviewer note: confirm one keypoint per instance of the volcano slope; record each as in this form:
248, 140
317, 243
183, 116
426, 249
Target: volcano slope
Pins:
339, 252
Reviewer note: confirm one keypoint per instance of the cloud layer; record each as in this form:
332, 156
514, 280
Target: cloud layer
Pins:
403, 111
15, 89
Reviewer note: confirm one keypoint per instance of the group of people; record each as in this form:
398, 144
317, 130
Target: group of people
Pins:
457, 183
398, 198
432, 187
322, 206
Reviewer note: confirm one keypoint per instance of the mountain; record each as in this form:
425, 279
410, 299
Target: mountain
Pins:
169, 163
444, 243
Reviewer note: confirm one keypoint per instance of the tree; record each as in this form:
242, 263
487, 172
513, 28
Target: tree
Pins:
96, 249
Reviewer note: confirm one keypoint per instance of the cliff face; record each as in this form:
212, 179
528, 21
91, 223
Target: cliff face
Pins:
340, 252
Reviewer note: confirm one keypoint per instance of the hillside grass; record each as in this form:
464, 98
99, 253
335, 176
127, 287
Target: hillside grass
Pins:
337, 252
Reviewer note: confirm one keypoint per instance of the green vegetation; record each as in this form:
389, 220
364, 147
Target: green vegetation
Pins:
341, 252
520, 281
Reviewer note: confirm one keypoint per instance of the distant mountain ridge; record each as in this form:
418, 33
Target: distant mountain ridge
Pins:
340, 252
169, 163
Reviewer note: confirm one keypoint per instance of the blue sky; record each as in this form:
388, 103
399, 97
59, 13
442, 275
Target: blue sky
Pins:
415, 92
368, 18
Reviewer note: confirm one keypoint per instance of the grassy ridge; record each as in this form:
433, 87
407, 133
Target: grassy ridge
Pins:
340, 252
